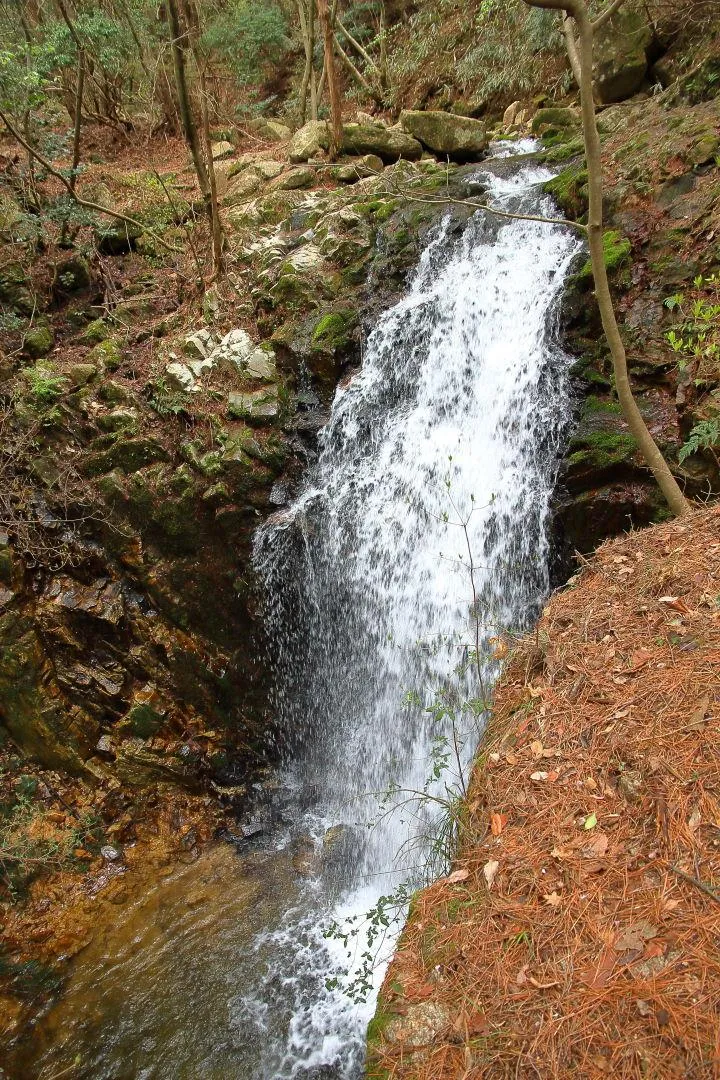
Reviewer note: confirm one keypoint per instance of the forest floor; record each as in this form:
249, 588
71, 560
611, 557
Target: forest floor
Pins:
578, 932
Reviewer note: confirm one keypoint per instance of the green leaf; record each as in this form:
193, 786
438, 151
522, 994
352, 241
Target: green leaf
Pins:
590, 821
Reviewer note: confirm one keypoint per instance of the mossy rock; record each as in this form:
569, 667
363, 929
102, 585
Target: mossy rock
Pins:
72, 275
143, 721
554, 118
595, 455
108, 355
95, 332
15, 289
38, 340
127, 455
569, 189
616, 252
333, 332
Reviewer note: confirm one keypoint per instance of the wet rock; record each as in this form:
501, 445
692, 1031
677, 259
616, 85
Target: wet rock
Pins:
31, 704
306, 858
146, 715
458, 137
103, 599
105, 747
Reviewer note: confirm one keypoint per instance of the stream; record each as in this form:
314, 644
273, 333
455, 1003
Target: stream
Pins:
418, 541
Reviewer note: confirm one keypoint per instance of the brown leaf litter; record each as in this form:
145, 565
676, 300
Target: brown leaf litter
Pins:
591, 946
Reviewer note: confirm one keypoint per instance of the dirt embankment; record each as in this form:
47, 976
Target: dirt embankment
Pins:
578, 933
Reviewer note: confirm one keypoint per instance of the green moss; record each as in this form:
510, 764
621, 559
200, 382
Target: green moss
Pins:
333, 331
377, 210
594, 404
569, 189
563, 149
38, 341
601, 449
616, 253
375, 1032
108, 354
95, 332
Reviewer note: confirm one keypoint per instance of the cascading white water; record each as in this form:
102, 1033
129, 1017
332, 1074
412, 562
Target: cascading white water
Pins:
458, 414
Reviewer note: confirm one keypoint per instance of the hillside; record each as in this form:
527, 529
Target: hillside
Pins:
578, 930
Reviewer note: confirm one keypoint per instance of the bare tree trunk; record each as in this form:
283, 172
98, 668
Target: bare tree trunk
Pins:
336, 131
217, 231
648, 447
354, 71
76, 135
179, 45
383, 46
307, 29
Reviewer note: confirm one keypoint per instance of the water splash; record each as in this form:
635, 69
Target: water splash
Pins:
440, 455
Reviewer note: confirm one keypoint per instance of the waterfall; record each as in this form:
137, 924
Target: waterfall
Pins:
422, 524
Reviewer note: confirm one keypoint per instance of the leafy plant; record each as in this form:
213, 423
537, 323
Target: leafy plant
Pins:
704, 436
696, 338
44, 387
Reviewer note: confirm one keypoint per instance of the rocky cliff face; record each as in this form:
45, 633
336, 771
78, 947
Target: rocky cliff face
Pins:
140, 457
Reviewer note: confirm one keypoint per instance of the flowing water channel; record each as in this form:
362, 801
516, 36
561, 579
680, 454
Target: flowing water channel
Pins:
419, 536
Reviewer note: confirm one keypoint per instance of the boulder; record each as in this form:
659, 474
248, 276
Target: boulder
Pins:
38, 340
352, 171
179, 377
555, 118
458, 137
82, 374
73, 274
222, 149
258, 406
268, 170
621, 61
271, 130
242, 187
238, 354
293, 180
14, 289
198, 346
389, 144
309, 141
508, 121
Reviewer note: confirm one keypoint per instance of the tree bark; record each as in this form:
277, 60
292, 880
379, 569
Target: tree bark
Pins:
336, 132
179, 45
577, 9
307, 29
